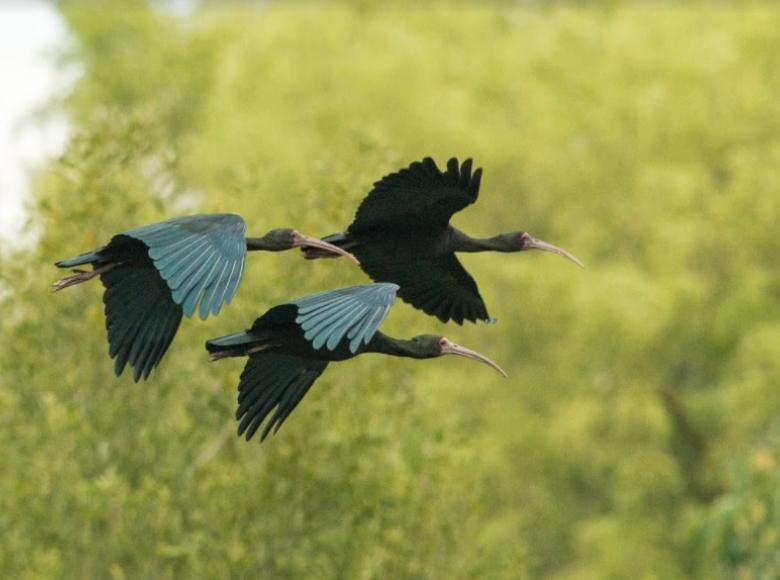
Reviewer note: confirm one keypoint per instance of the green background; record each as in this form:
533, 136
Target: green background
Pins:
638, 433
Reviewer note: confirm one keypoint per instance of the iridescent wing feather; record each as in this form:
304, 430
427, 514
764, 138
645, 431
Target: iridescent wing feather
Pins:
355, 312
200, 257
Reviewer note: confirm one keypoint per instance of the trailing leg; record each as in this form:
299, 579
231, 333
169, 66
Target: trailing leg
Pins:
80, 276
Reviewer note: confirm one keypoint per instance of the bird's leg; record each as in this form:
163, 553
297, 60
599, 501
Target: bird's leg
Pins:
239, 352
80, 276
305, 242
259, 348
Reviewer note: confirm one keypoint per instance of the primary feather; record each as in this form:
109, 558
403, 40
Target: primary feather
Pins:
419, 197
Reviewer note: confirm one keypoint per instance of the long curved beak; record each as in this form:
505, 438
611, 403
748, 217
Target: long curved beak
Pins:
300, 240
531, 243
452, 348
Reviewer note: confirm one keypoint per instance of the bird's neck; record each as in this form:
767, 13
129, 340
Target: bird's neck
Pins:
460, 242
383, 344
266, 243
254, 244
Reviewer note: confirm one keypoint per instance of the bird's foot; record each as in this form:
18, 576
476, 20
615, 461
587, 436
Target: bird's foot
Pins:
80, 276
312, 253
220, 354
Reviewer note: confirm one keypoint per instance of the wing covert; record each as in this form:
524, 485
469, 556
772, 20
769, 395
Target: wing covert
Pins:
200, 257
355, 312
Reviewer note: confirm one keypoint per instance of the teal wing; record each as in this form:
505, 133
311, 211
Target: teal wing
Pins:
273, 381
141, 317
200, 257
355, 312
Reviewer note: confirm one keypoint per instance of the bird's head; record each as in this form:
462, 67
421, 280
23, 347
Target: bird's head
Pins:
432, 346
522, 241
281, 239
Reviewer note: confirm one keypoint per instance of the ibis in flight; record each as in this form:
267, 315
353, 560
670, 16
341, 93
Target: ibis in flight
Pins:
154, 274
401, 234
291, 344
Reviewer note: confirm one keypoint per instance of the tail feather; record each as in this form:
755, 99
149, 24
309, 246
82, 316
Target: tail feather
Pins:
81, 259
342, 240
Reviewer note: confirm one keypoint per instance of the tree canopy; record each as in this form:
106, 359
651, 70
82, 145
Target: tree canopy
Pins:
638, 433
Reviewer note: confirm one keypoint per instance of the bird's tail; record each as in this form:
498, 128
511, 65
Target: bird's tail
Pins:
341, 240
80, 260
236, 344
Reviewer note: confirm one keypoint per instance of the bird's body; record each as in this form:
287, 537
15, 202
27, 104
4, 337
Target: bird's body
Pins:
291, 345
154, 275
276, 332
401, 234
288, 338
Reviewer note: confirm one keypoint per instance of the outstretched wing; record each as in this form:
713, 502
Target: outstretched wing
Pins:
420, 197
200, 257
355, 312
141, 317
273, 380
437, 285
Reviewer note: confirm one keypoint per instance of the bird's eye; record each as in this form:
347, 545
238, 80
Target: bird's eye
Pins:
442, 342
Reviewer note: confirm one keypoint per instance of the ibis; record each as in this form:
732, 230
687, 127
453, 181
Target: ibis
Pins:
401, 234
290, 346
156, 273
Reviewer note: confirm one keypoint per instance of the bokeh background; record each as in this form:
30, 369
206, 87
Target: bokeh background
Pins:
638, 433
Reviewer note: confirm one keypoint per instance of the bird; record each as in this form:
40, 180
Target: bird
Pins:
290, 346
401, 234
156, 273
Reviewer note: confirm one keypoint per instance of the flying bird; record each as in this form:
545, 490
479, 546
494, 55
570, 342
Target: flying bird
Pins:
154, 274
401, 234
291, 344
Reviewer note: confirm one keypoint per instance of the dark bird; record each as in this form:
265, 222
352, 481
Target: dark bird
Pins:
154, 274
291, 344
401, 233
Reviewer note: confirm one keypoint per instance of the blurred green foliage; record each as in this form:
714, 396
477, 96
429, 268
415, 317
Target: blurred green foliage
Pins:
638, 434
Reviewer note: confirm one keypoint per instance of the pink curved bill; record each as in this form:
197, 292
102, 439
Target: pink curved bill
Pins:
449, 347
532, 243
